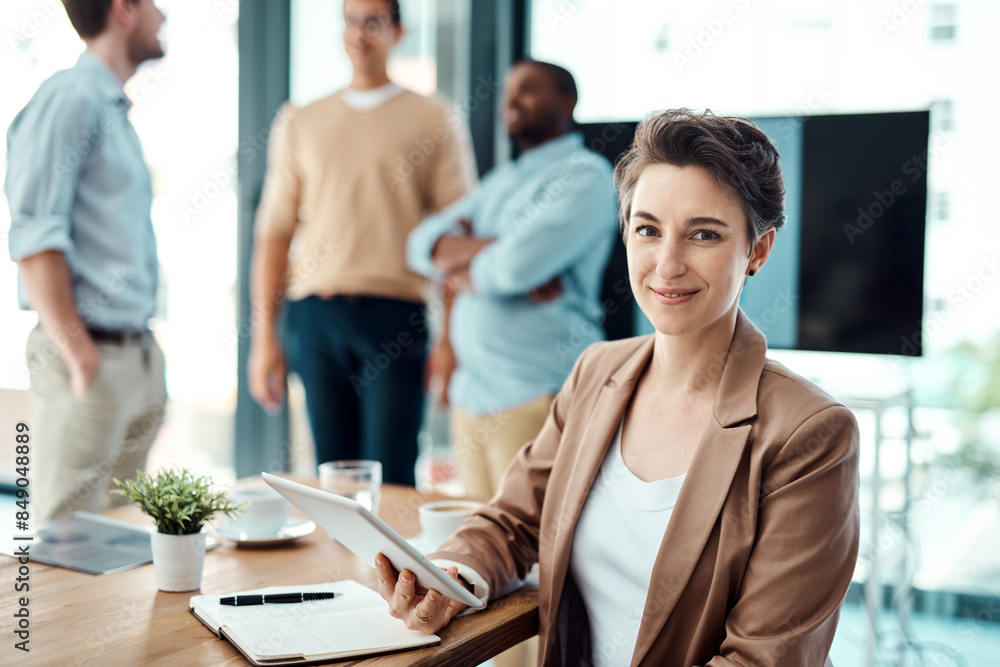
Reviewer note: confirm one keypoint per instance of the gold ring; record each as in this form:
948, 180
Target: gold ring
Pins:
422, 619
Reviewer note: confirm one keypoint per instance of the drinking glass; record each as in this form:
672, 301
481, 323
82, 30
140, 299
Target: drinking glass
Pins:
358, 480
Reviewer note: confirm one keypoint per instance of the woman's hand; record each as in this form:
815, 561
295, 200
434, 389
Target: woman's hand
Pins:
420, 609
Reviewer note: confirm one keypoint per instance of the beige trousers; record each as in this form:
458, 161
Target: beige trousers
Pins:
484, 447
81, 443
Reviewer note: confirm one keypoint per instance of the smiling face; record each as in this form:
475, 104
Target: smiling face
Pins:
144, 41
534, 110
369, 34
688, 249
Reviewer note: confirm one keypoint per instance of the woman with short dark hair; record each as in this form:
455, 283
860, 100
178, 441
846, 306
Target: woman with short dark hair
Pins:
689, 501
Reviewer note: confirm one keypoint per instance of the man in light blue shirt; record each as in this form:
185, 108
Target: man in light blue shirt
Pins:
80, 196
525, 252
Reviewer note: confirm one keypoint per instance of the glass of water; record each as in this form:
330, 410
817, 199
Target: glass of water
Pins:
358, 480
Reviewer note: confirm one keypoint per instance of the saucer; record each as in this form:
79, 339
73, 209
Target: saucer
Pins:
293, 529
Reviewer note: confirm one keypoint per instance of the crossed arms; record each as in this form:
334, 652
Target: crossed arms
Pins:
452, 255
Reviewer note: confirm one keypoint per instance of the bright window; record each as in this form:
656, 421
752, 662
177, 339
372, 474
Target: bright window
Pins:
185, 112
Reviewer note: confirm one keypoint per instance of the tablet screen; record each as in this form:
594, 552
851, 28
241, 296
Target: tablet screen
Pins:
366, 536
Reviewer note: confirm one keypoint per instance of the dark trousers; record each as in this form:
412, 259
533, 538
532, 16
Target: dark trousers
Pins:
361, 361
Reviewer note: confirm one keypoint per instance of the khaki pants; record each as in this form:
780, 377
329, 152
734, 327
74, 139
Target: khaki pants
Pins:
80, 443
484, 447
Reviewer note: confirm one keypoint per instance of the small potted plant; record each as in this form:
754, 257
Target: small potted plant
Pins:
179, 504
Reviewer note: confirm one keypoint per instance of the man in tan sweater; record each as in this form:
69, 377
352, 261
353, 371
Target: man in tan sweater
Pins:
348, 177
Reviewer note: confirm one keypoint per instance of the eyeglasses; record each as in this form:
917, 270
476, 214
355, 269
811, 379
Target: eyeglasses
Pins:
372, 24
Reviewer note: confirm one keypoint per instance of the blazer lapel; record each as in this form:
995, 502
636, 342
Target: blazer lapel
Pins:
593, 447
707, 483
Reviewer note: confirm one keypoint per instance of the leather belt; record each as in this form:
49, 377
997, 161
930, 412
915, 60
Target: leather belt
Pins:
121, 337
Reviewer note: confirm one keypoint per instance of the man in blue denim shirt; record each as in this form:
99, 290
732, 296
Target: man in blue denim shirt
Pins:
525, 253
80, 196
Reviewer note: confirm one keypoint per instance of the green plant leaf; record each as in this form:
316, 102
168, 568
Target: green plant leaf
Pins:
178, 502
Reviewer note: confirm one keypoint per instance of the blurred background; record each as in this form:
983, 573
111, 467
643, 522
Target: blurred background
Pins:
927, 587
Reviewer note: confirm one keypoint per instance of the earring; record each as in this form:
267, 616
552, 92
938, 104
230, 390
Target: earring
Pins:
751, 273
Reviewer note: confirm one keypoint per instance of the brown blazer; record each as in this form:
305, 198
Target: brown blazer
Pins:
760, 548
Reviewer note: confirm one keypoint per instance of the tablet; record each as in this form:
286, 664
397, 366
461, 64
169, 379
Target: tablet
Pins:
366, 535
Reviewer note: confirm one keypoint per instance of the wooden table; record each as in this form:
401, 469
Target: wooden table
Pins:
122, 619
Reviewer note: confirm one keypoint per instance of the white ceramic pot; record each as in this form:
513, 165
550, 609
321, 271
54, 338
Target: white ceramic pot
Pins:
178, 561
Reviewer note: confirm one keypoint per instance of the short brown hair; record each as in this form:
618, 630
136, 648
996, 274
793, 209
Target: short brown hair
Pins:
394, 13
89, 17
734, 150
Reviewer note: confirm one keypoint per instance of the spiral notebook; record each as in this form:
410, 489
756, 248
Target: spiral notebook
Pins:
354, 623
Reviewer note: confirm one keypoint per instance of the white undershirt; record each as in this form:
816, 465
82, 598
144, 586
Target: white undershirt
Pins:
615, 544
364, 100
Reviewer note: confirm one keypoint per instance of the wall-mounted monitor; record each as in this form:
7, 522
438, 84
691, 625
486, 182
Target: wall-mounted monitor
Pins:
847, 272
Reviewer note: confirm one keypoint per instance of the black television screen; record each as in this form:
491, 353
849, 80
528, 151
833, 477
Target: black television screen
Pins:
847, 271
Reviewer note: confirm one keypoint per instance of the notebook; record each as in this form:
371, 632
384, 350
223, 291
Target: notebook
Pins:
356, 622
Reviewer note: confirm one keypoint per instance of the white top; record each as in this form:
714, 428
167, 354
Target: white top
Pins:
364, 100
615, 544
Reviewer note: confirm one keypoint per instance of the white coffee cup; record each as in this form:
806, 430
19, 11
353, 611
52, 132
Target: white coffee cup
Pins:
440, 519
264, 515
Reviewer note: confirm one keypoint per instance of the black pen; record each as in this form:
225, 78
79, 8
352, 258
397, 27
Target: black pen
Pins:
279, 598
